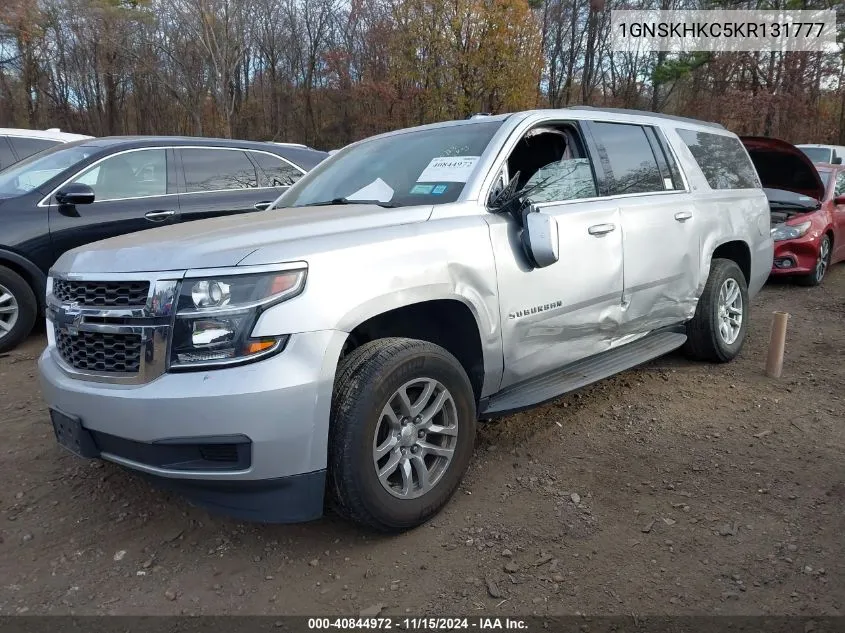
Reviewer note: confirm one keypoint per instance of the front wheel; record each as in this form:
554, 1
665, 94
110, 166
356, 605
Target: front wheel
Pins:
402, 433
822, 264
18, 309
717, 331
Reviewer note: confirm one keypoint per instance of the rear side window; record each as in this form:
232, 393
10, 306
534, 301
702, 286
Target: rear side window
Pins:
722, 160
28, 146
629, 162
275, 172
217, 170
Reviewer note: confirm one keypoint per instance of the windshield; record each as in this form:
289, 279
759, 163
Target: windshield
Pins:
817, 154
421, 167
34, 171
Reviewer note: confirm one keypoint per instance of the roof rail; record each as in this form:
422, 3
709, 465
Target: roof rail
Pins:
479, 115
670, 117
52, 129
288, 144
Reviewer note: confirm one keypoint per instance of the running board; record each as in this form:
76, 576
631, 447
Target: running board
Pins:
581, 373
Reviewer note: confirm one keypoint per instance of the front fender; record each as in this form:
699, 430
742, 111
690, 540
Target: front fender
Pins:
449, 259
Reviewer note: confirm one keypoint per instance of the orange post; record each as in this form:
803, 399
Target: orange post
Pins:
777, 342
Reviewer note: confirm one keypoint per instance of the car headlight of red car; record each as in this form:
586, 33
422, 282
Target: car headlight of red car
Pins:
783, 232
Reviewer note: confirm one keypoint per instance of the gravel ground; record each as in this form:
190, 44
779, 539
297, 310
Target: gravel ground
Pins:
676, 488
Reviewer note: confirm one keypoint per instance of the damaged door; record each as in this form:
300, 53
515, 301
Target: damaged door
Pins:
570, 310
661, 241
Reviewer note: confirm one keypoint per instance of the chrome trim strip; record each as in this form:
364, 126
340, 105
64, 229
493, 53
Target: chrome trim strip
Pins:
45, 200
152, 277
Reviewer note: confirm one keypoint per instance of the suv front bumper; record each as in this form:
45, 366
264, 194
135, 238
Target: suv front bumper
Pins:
250, 441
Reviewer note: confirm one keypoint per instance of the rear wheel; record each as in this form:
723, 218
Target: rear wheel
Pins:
717, 331
822, 264
18, 309
402, 433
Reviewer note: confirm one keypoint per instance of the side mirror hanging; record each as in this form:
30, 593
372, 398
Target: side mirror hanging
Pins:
540, 237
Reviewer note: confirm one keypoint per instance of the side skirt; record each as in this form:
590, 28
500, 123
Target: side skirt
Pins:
554, 384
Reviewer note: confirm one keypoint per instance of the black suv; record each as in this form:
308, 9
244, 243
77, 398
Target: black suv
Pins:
89, 190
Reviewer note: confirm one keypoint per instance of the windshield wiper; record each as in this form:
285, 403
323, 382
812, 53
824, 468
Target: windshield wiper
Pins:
338, 201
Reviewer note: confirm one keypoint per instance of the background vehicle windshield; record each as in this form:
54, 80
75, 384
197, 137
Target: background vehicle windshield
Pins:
817, 154
34, 171
422, 167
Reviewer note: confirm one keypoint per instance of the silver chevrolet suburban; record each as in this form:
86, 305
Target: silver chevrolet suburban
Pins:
339, 348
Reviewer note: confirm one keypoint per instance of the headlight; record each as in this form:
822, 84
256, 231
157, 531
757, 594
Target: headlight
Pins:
215, 317
790, 231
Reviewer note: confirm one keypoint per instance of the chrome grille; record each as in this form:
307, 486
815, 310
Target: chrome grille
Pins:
100, 351
110, 328
102, 294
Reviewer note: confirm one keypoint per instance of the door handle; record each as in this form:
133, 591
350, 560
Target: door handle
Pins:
601, 229
261, 206
683, 216
158, 216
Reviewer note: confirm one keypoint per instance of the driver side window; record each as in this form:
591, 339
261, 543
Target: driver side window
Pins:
552, 165
137, 174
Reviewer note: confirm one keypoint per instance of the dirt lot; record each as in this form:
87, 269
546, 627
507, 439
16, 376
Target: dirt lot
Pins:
675, 488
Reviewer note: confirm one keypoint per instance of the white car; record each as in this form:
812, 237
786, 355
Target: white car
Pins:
832, 154
17, 143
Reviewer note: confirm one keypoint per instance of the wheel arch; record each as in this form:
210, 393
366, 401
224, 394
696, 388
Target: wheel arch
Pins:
31, 273
449, 320
738, 251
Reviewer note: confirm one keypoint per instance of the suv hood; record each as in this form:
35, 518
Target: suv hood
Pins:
226, 241
781, 165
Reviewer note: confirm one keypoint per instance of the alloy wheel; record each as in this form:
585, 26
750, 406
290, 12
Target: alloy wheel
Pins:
415, 438
9, 311
730, 311
824, 258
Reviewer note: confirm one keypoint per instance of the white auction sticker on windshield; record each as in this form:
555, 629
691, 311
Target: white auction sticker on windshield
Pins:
377, 191
449, 169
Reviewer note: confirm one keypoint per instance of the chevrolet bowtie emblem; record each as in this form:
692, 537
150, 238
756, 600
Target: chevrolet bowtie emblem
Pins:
69, 319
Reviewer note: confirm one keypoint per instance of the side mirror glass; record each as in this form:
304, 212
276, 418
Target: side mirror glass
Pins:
836, 161
540, 238
75, 193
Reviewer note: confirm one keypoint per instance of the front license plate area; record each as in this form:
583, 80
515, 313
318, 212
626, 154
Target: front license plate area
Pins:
71, 435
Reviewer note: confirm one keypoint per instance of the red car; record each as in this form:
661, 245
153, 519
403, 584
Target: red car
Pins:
808, 208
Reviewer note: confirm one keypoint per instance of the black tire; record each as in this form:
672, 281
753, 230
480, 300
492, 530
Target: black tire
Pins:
365, 381
27, 309
704, 341
822, 264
